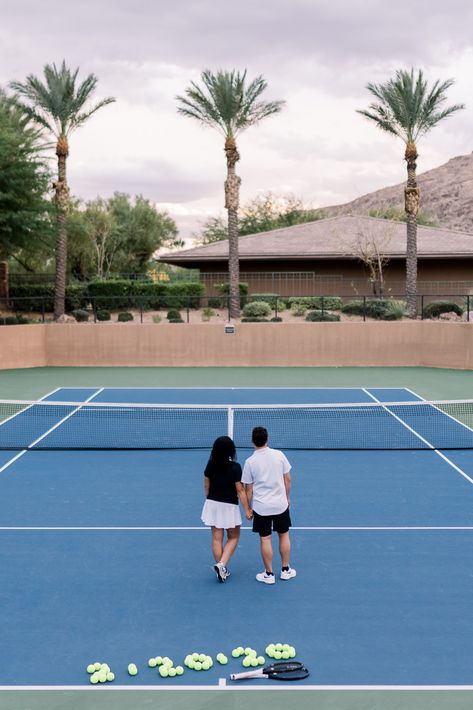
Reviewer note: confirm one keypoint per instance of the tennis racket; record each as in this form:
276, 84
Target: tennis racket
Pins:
290, 670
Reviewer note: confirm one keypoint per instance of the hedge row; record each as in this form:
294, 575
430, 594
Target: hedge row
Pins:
108, 295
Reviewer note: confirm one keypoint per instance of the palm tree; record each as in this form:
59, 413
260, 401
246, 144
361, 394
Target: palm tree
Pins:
226, 101
406, 107
59, 106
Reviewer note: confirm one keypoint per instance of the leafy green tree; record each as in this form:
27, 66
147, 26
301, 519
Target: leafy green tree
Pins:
227, 102
59, 106
406, 107
118, 235
397, 214
25, 224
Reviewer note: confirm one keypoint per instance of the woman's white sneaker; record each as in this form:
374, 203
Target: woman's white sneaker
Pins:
265, 578
288, 573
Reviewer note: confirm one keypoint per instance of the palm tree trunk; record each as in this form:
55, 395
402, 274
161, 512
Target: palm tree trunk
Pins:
62, 205
411, 204
232, 198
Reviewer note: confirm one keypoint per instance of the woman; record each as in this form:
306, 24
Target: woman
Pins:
223, 488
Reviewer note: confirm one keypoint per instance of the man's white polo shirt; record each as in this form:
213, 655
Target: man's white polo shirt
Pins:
265, 469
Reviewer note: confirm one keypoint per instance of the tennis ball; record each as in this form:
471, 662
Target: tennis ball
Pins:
223, 660
205, 665
270, 650
91, 668
202, 657
235, 653
152, 663
277, 655
105, 667
158, 660
292, 652
132, 669
253, 652
187, 659
246, 662
163, 671
209, 659
253, 661
94, 678
110, 676
261, 660
167, 662
191, 664
285, 647
97, 666
195, 656
241, 650
278, 646
102, 676
179, 670
247, 651
285, 655
171, 672
197, 666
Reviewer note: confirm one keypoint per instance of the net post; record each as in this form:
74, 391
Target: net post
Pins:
422, 307
230, 413
364, 308
468, 308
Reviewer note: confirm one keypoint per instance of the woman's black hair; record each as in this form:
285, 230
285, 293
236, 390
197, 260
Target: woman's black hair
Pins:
223, 451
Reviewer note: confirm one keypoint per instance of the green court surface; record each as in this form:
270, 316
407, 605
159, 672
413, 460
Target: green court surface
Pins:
429, 382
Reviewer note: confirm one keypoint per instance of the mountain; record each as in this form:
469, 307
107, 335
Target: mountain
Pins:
446, 193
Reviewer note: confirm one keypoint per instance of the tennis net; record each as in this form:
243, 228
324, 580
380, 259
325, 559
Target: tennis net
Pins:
96, 425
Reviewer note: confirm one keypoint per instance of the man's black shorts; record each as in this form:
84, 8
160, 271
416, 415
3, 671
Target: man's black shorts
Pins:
280, 523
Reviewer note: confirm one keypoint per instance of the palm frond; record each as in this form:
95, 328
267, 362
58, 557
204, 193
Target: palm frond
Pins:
406, 107
225, 101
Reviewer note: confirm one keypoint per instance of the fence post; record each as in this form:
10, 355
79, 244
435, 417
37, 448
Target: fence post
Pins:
228, 307
322, 304
422, 307
141, 310
94, 308
468, 307
187, 310
364, 308
42, 309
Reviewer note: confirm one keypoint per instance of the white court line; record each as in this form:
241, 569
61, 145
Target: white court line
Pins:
436, 451
21, 453
109, 688
315, 528
65, 418
422, 399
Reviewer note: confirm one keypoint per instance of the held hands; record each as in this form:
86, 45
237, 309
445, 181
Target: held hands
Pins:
249, 514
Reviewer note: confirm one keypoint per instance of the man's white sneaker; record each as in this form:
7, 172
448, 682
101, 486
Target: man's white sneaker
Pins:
265, 578
288, 573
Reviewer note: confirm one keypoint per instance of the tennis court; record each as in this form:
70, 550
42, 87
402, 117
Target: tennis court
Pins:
104, 557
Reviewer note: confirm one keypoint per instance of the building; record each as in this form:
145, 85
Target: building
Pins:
326, 258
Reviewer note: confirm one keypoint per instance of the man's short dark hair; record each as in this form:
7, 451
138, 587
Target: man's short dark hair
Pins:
259, 436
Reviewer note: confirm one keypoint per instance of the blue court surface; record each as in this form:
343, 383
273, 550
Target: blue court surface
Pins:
104, 557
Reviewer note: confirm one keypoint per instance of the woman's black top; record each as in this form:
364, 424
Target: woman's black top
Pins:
222, 481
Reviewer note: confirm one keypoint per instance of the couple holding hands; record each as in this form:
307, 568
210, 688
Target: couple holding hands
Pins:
263, 489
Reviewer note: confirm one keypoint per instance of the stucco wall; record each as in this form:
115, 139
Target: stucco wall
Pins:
300, 344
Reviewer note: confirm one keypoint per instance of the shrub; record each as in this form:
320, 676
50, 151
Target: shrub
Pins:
124, 317
111, 294
434, 309
298, 309
379, 309
157, 318
224, 290
76, 297
330, 303
80, 315
270, 298
254, 320
32, 297
257, 309
276, 319
207, 314
103, 315
176, 320
173, 314
214, 302
184, 294
318, 316
148, 294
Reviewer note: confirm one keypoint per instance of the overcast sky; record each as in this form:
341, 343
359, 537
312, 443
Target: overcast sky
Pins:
316, 55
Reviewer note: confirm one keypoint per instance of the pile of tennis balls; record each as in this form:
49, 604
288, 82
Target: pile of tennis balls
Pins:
280, 651
165, 666
199, 661
100, 673
250, 657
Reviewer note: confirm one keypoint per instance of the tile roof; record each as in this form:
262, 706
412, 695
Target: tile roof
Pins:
331, 238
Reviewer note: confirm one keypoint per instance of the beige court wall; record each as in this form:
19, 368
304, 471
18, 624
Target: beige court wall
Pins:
421, 343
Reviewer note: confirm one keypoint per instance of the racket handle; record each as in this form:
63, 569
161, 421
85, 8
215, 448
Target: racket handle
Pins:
248, 674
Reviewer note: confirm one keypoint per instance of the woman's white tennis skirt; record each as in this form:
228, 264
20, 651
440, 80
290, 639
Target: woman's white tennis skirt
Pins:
221, 515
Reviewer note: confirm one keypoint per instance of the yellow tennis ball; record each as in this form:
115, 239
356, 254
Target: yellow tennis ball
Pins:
171, 672
202, 657
236, 653
241, 650
285, 655
105, 667
261, 660
97, 666
285, 647
223, 660
102, 676
195, 656
110, 676
277, 655
205, 665
278, 647
187, 659
246, 662
132, 669
247, 651
91, 668
163, 671
191, 664
292, 652
168, 662
152, 663
94, 678
197, 666
179, 670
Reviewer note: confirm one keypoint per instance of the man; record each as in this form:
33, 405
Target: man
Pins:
267, 479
